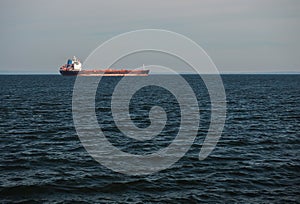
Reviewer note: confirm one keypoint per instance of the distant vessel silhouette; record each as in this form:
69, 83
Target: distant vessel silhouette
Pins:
73, 68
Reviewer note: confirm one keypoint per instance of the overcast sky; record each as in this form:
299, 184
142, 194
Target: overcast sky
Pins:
239, 35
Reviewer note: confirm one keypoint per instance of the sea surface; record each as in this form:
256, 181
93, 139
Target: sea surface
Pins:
257, 159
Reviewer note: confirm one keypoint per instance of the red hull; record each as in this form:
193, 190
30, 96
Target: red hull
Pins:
106, 72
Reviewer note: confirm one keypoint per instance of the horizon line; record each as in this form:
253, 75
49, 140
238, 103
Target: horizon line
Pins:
221, 73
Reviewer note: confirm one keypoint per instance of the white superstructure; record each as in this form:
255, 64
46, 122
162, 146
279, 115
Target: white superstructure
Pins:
76, 64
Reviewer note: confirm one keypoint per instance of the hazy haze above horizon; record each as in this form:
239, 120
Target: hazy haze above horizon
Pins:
240, 36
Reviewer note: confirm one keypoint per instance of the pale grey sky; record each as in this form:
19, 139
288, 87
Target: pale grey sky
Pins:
245, 36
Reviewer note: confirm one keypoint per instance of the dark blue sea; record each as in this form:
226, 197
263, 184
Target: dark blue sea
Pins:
257, 159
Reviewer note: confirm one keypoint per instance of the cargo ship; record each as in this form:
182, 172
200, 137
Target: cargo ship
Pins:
73, 68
